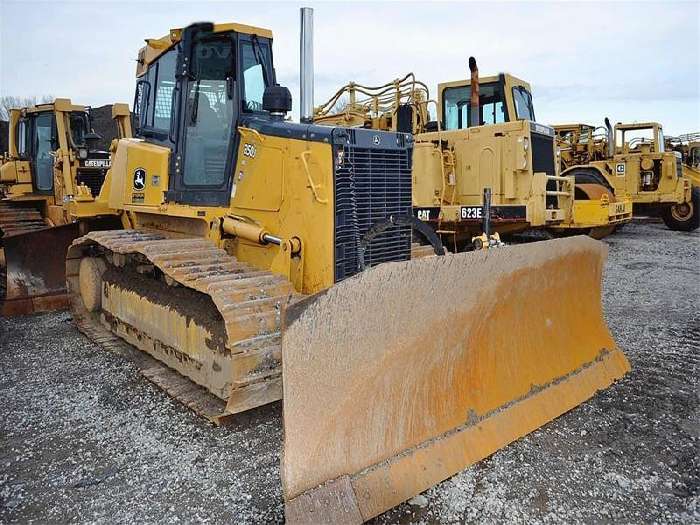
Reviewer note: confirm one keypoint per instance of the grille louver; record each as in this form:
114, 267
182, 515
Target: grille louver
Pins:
372, 184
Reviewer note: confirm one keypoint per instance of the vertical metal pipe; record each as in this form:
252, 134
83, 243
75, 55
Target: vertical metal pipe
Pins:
486, 214
611, 138
306, 71
474, 102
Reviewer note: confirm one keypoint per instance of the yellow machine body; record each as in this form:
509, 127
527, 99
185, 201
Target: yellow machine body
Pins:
632, 161
293, 278
267, 194
49, 179
454, 161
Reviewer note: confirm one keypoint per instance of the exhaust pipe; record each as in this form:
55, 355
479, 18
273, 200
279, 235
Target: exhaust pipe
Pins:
474, 121
306, 71
611, 138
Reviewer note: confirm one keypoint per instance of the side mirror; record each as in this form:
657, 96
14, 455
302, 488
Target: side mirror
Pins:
277, 100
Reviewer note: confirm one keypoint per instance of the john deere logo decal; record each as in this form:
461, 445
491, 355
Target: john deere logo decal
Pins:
376, 140
139, 179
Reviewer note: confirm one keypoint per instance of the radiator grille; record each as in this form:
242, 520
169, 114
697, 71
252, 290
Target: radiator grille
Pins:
371, 184
93, 179
542, 154
543, 162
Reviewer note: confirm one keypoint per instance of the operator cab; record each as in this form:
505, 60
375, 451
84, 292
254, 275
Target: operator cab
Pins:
37, 140
191, 98
639, 138
501, 99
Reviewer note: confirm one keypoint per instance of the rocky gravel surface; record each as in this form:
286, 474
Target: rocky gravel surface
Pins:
84, 438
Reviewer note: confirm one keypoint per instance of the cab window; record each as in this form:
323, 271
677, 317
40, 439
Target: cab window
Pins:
163, 92
154, 92
457, 106
523, 104
255, 59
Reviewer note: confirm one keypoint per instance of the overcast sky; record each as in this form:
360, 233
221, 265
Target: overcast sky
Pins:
627, 60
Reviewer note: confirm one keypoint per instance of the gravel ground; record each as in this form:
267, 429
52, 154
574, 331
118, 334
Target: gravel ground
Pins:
84, 438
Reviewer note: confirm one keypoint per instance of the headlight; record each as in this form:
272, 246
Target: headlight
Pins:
340, 154
82, 153
526, 143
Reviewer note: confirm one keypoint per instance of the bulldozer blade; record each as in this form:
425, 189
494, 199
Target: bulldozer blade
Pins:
36, 270
405, 374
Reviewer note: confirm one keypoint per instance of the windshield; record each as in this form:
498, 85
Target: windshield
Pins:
457, 107
523, 104
633, 139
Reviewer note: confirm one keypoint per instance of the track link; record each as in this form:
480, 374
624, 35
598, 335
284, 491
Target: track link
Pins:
248, 301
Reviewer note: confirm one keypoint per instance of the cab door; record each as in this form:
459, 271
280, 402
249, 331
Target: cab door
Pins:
203, 156
43, 139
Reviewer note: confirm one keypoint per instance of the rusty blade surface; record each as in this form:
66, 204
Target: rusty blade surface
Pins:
35, 268
409, 372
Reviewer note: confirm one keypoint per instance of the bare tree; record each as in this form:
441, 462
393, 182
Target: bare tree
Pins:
9, 102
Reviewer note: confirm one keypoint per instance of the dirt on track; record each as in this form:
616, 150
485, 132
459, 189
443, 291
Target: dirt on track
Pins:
84, 438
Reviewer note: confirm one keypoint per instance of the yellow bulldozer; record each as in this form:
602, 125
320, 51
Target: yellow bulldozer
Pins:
261, 258
49, 182
631, 160
485, 137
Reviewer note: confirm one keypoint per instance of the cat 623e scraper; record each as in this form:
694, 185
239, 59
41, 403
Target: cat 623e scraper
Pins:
49, 183
485, 136
239, 267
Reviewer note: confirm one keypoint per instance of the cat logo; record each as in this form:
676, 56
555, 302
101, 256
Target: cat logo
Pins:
139, 179
620, 169
376, 140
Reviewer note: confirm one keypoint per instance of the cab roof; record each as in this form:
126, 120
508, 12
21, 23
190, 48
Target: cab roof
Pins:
157, 46
484, 80
59, 104
637, 125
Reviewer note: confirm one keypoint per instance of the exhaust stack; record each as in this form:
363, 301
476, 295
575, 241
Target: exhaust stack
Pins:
611, 138
306, 71
474, 121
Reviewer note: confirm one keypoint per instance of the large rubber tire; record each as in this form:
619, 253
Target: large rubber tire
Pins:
684, 217
589, 176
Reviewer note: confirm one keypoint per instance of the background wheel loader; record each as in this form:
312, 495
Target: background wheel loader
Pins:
631, 160
485, 137
688, 145
50, 180
239, 265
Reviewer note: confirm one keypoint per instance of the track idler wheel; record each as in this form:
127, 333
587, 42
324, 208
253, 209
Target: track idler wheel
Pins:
90, 279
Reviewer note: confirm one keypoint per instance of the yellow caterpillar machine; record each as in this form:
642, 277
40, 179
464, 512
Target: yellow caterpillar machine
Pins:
240, 267
485, 137
49, 182
688, 145
631, 160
